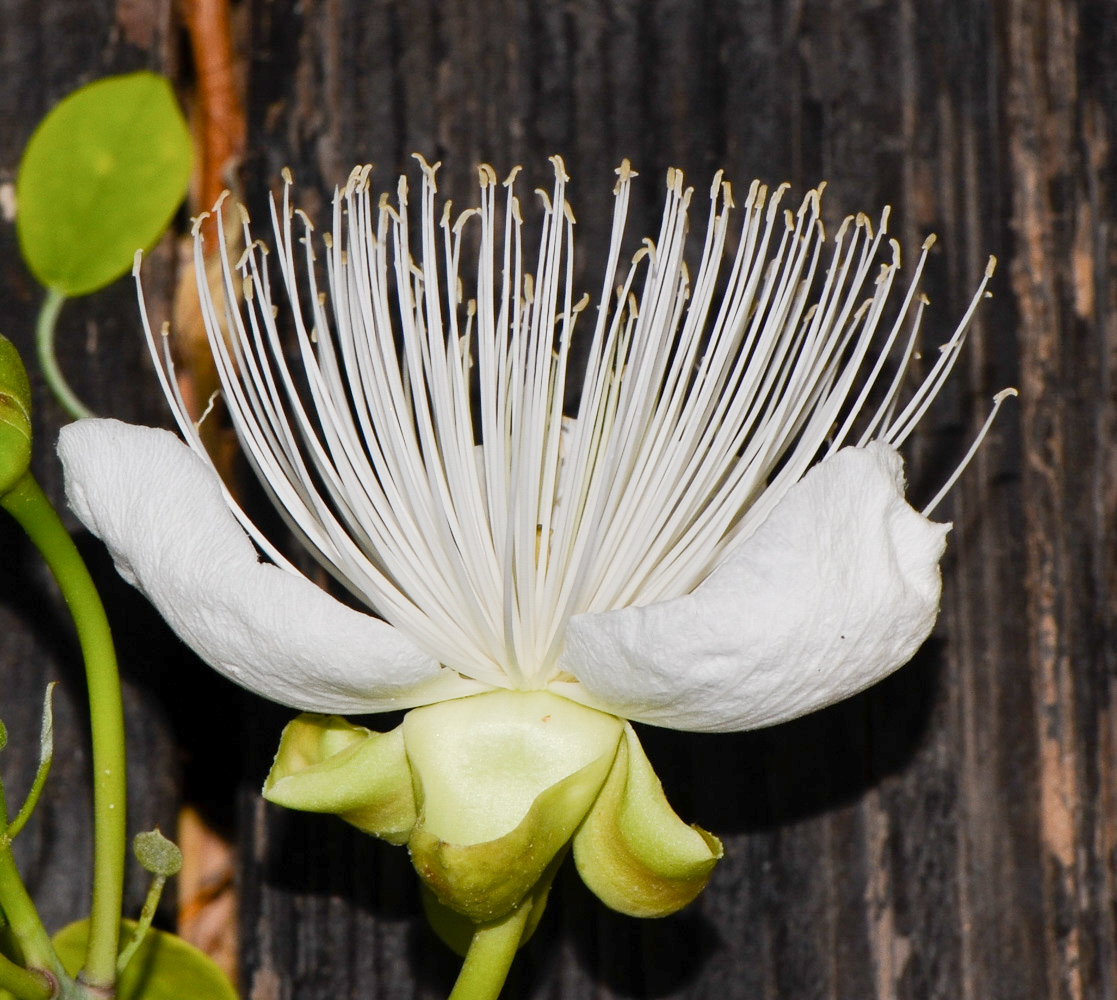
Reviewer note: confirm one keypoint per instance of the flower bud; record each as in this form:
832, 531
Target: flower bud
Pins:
15, 417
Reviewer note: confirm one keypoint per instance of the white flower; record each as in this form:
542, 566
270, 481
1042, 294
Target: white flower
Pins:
717, 541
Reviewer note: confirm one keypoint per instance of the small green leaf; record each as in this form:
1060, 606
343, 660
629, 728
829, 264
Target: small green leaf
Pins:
3, 736
46, 728
157, 854
164, 968
100, 179
46, 756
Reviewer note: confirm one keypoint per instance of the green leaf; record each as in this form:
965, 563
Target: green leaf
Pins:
100, 179
157, 854
46, 756
164, 968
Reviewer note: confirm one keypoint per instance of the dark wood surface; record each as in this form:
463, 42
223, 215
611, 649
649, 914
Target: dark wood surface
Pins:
949, 834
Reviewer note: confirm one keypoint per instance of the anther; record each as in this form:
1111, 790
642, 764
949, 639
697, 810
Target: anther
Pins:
560, 169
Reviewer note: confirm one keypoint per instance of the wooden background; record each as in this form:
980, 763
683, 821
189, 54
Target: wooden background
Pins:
949, 834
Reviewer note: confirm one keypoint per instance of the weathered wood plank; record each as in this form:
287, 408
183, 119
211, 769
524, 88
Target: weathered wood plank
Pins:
894, 846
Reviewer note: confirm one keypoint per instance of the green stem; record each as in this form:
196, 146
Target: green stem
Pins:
48, 361
17, 909
27, 503
143, 925
26, 984
23, 918
490, 957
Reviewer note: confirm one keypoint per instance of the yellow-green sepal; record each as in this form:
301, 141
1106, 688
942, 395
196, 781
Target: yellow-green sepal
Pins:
325, 764
15, 417
164, 967
456, 930
633, 851
503, 779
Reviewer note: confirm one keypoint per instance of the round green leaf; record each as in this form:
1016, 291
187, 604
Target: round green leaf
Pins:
100, 179
164, 968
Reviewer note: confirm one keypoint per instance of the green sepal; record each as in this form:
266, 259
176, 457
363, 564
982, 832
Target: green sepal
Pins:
101, 178
503, 779
327, 765
15, 417
164, 967
456, 930
633, 851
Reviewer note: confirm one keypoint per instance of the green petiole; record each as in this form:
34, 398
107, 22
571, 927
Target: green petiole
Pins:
48, 361
26, 984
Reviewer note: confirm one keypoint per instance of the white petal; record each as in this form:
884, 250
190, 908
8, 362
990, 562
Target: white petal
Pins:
837, 588
160, 511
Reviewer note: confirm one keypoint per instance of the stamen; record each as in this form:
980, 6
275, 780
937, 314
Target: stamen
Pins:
707, 392
998, 399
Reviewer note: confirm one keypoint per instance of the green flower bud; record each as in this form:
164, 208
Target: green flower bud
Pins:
325, 764
15, 417
633, 851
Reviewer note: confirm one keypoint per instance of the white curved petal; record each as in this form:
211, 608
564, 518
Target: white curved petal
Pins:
837, 588
160, 511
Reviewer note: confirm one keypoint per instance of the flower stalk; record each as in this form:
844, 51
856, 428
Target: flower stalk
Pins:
490, 955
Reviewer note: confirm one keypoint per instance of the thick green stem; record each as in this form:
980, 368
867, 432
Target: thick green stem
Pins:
48, 361
26, 984
23, 918
30, 507
490, 956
